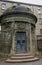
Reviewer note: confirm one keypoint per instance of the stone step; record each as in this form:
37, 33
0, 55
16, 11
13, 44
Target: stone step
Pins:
22, 60
24, 54
21, 57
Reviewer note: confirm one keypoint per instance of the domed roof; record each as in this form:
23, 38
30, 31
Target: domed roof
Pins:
19, 10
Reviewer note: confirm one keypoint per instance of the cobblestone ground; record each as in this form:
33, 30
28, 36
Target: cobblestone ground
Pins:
39, 62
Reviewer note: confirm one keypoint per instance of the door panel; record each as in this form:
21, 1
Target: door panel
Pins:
21, 42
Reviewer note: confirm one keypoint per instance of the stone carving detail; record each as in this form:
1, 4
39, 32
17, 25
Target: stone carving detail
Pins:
21, 25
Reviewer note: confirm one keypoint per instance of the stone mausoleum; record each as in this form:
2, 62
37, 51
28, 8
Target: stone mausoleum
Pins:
19, 24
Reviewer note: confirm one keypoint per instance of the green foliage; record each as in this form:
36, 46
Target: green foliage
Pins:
11, 8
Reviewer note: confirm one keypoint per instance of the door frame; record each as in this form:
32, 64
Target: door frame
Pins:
25, 38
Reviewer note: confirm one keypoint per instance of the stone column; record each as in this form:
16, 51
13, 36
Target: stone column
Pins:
30, 40
13, 40
27, 37
34, 46
13, 45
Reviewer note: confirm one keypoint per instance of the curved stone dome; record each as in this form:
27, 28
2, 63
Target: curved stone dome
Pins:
19, 10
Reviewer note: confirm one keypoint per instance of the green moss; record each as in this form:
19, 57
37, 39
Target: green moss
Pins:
3, 55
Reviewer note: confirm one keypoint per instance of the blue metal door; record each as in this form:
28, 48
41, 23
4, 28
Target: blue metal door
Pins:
21, 42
